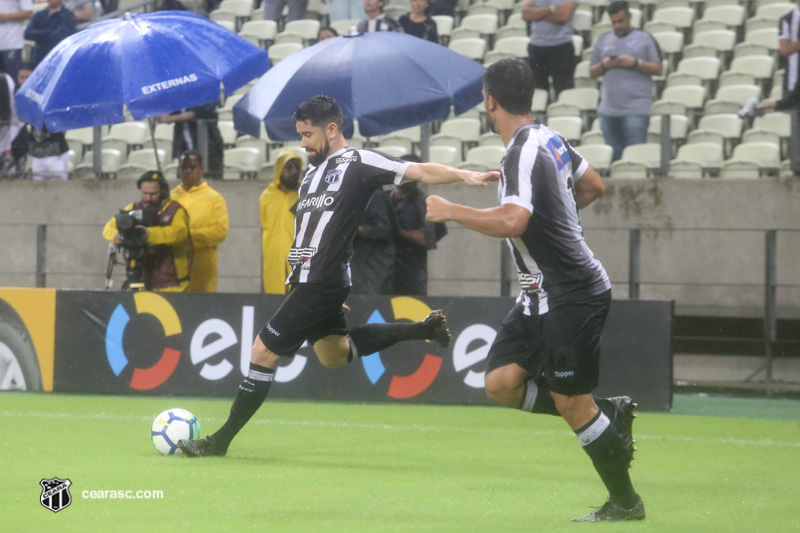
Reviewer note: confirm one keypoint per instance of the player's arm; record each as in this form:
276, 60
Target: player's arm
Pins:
508, 220
786, 47
589, 188
440, 174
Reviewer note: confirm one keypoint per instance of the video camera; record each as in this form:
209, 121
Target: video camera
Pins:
133, 245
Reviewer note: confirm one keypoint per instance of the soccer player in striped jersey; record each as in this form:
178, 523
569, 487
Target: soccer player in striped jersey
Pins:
545, 358
332, 198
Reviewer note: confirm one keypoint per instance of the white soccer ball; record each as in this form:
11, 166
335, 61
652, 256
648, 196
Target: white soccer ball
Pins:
171, 426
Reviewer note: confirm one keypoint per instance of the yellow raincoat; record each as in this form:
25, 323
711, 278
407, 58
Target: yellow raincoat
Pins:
175, 235
208, 225
277, 222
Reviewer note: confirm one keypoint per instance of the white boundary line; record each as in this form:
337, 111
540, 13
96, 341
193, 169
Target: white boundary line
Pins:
413, 427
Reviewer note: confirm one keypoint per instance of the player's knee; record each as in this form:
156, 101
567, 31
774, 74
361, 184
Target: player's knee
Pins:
332, 361
499, 390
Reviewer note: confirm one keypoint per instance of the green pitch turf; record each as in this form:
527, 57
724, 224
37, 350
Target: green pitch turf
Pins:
335, 467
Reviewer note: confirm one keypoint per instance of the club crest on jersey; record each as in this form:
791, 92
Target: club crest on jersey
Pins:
333, 176
559, 151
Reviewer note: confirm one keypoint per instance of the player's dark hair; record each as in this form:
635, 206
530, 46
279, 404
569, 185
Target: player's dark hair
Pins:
510, 82
617, 6
154, 175
320, 111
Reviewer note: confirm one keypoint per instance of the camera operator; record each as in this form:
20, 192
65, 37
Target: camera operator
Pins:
154, 237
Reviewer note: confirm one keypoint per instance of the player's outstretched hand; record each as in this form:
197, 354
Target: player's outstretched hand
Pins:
480, 178
437, 209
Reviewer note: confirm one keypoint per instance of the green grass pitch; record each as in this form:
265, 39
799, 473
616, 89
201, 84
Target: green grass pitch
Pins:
337, 467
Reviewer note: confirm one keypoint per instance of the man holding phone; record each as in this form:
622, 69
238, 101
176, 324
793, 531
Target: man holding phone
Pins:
626, 59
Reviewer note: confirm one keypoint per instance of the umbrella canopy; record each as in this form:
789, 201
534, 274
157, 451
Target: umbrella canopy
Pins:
153, 63
385, 80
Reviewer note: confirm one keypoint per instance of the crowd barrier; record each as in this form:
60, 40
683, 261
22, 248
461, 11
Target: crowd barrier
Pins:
147, 343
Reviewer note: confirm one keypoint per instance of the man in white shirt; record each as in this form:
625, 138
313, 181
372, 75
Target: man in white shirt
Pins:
13, 14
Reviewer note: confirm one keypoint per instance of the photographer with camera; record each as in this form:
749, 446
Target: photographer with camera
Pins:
153, 235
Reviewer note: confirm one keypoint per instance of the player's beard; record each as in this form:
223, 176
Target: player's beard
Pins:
317, 158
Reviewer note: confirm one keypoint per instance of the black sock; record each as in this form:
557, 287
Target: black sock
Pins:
371, 338
252, 393
601, 442
538, 399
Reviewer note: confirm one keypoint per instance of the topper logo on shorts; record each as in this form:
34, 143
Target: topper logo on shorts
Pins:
403, 386
152, 304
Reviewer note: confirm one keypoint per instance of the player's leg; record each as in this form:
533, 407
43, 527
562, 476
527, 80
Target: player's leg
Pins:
571, 336
370, 338
513, 361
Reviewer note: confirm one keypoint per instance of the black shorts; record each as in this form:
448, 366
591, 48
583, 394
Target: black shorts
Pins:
310, 312
561, 347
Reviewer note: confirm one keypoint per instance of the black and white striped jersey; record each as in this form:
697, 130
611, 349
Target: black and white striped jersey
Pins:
554, 264
789, 28
332, 200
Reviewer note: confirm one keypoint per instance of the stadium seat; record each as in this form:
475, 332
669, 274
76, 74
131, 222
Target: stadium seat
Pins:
569, 127
465, 33
227, 132
139, 162
707, 68
762, 135
515, 19
582, 77
685, 169
110, 161
598, 156
343, 26
485, 24
628, 170
680, 17
598, 30
260, 144
483, 8
734, 169
444, 25
678, 129
241, 162
80, 140
582, 21
667, 107
126, 136
510, 31
738, 93
647, 155
721, 41
774, 11
750, 49
730, 77
592, 137
444, 155
692, 96
490, 139
540, 99
759, 23
730, 15
393, 150
708, 156
289, 37
656, 26
307, 29
395, 11
279, 52
473, 48
671, 44
586, 99
226, 111
577, 45
515, 46
636, 17
760, 67
488, 157
765, 155
702, 26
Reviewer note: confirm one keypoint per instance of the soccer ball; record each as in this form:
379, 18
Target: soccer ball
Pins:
171, 426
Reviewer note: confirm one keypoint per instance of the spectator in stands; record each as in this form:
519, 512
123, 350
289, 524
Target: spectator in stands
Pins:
326, 33
49, 27
443, 7
13, 14
415, 236
208, 220
551, 52
185, 136
273, 9
372, 264
81, 8
789, 50
49, 151
376, 20
165, 265
346, 10
627, 59
418, 24
9, 124
277, 206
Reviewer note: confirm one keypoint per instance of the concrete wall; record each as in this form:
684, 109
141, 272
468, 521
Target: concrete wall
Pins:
702, 241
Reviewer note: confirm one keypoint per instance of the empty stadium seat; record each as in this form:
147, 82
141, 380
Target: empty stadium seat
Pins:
279, 52
569, 127
484, 157
598, 155
473, 48
444, 155
708, 156
241, 162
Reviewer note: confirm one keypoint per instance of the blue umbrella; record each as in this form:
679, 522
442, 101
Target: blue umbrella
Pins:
385, 80
152, 63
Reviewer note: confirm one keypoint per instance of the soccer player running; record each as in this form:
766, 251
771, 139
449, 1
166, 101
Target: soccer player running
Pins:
332, 198
545, 358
